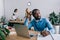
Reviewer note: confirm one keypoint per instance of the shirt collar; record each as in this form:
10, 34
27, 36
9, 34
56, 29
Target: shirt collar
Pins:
38, 20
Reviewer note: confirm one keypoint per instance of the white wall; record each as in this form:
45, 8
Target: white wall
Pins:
1, 8
45, 6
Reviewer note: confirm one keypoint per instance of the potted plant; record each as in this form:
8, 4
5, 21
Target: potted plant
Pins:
59, 18
53, 18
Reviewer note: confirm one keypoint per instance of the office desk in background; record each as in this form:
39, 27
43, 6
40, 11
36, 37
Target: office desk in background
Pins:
12, 22
21, 22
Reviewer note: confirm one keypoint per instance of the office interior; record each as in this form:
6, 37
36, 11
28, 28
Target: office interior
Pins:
48, 9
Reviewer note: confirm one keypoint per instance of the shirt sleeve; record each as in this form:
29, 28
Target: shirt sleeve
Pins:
29, 25
50, 27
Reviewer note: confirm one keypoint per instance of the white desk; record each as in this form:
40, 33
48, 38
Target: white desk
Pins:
55, 36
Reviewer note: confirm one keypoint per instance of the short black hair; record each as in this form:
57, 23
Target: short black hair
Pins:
15, 10
34, 11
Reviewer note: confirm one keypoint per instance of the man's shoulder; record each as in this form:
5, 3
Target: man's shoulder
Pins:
43, 18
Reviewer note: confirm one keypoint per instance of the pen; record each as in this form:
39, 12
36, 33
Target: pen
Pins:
51, 36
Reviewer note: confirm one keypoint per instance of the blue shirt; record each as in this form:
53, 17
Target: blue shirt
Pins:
42, 24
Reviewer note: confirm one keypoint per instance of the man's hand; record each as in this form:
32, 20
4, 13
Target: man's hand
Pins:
28, 16
44, 33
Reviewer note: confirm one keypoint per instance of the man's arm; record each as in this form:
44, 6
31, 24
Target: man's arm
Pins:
50, 27
29, 25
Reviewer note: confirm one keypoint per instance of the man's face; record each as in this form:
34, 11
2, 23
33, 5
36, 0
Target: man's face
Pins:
37, 15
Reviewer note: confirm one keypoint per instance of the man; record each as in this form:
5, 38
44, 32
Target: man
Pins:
39, 24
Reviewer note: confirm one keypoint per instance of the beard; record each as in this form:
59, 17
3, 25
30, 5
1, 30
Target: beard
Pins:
37, 18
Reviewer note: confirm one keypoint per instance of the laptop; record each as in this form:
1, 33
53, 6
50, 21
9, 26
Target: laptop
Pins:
22, 30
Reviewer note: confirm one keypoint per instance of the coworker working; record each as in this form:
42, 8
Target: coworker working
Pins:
14, 17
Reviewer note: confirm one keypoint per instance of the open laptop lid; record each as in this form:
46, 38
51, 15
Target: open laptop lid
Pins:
22, 30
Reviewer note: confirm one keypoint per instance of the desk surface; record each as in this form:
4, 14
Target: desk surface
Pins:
13, 36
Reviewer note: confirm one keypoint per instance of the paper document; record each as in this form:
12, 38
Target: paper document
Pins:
55, 36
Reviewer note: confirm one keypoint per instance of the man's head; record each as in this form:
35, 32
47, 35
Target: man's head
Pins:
36, 14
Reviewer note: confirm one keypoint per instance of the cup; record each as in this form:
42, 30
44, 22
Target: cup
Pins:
32, 28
